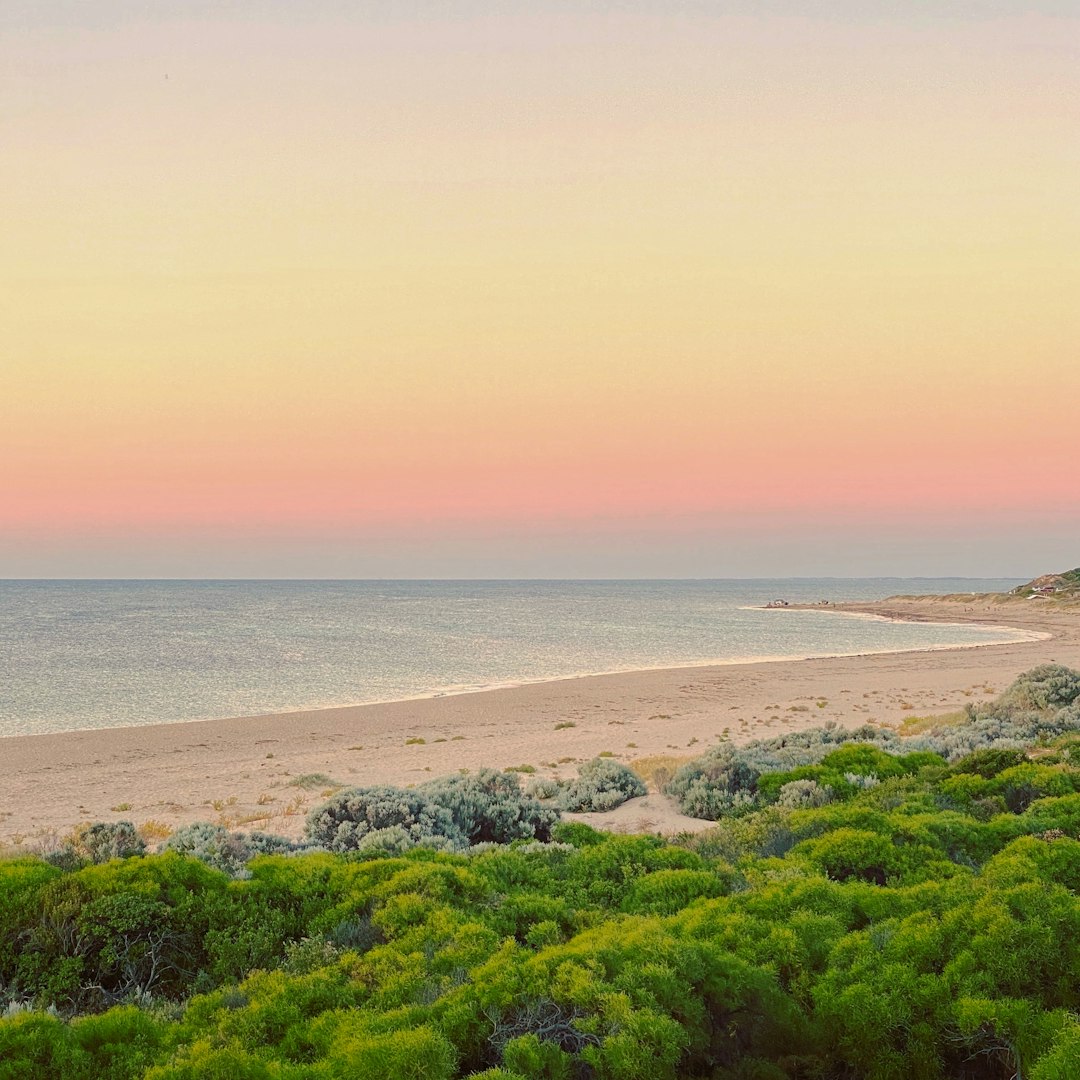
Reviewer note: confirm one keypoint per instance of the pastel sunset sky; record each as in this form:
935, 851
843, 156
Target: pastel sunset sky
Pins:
634, 288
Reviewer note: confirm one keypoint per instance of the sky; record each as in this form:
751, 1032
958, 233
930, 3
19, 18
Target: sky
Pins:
545, 289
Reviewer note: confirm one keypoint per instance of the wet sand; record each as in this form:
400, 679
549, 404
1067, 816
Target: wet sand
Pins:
266, 772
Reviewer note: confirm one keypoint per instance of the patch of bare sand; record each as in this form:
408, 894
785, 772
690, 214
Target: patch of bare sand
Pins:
651, 813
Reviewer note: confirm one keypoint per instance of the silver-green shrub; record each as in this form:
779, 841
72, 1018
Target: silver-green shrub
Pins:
861, 782
489, 806
718, 783
543, 787
601, 784
94, 843
105, 840
804, 795
344, 821
1043, 689
261, 843
212, 844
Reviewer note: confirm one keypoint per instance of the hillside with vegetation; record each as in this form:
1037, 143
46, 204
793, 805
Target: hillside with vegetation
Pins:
1063, 587
1060, 590
870, 905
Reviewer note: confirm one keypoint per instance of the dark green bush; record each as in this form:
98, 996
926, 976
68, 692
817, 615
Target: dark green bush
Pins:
988, 763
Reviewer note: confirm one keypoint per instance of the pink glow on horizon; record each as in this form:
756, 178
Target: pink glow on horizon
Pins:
533, 271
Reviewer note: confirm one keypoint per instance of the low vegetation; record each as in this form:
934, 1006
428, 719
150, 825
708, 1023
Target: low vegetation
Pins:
449, 814
601, 784
1060, 588
732, 780
874, 908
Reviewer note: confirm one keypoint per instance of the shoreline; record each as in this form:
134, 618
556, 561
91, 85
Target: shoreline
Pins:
266, 771
543, 680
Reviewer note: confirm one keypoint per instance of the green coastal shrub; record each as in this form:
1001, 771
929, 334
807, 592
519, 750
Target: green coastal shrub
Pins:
489, 806
382, 818
451, 813
601, 784
987, 763
97, 843
665, 892
122, 931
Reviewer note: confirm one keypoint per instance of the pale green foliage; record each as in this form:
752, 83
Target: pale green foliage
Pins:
543, 787
601, 784
387, 818
1044, 688
212, 844
489, 806
859, 781
227, 851
804, 794
449, 814
98, 843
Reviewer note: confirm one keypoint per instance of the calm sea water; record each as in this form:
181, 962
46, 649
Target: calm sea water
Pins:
77, 655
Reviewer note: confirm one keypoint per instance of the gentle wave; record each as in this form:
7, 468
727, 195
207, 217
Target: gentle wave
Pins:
92, 655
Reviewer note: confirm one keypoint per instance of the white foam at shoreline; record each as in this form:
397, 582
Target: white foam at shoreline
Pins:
1017, 636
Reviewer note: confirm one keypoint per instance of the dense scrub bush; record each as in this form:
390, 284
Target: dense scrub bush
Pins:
223, 849
714, 785
96, 843
1039, 706
105, 840
1046, 688
489, 806
447, 814
726, 780
1001, 730
763, 834
382, 818
665, 892
988, 763
543, 787
120, 931
864, 950
119, 1045
804, 794
601, 784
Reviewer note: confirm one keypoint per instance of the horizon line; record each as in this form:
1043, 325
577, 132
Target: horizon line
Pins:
501, 580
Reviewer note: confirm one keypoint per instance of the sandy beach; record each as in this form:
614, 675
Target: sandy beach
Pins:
266, 772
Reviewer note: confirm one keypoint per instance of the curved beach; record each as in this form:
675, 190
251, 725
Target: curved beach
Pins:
244, 771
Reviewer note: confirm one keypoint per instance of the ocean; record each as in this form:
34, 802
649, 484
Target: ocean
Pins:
94, 654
